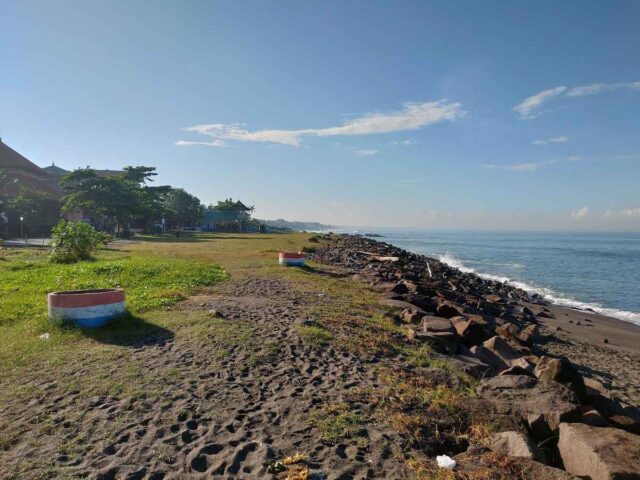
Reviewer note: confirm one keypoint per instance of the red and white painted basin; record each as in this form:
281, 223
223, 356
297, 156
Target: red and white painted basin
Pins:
87, 308
291, 258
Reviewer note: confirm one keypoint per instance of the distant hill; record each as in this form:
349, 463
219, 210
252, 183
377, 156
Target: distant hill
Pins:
293, 225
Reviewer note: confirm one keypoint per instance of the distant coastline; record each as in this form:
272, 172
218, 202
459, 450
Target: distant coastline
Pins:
297, 226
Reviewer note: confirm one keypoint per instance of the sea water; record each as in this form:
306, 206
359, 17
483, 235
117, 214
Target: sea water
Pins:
600, 271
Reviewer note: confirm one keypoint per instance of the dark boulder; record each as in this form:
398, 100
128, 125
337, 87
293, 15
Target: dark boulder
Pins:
562, 371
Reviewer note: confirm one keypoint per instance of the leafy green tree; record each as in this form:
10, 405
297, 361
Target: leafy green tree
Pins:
182, 207
40, 210
226, 204
123, 197
115, 196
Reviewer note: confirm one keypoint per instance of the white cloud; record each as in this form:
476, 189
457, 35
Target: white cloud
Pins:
596, 88
546, 141
529, 104
580, 213
412, 117
527, 108
234, 131
627, 213
529, 166
215, 143
366, 152
533, 166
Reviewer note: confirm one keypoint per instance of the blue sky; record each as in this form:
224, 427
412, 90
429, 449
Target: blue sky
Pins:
441, 114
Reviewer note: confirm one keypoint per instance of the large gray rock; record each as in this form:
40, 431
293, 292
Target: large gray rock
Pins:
412, 315
448, 310
508, 331
436, 325
561, 370
516, 444
479, 465
470, 363
500, 355
471, 331
599, 453
542, 405
529, 335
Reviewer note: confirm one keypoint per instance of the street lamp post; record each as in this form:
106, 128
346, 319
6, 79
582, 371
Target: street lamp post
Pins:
21, 222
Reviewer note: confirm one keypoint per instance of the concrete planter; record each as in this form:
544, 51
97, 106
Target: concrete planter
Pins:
291, 258
87, 308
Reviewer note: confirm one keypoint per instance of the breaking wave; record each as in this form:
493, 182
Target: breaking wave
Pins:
548, 294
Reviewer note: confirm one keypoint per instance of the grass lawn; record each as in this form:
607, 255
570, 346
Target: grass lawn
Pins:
155, 271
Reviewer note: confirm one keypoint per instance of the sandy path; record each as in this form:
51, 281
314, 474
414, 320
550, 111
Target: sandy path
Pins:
220, 416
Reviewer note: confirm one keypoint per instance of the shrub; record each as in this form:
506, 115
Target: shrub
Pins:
73, 242
105, 238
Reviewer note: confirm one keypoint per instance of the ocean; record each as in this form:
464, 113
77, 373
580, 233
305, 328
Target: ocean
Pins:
600, 271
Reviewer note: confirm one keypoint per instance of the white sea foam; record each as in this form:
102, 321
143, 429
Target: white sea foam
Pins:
547, 293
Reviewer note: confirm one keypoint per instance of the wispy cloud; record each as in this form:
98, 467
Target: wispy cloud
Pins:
627, 213
546, 141
408, 181
580, 213
596, 88
528, 108
366, 152
529, 166
571, 159
528, 105
215, 143
412, 117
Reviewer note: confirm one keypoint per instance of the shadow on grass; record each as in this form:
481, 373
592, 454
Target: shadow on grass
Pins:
324, 273
129, 331
196, 237
168, 238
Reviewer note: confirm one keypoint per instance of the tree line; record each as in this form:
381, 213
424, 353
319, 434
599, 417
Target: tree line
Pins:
116, 200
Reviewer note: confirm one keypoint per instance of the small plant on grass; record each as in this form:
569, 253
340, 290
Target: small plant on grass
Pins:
74, 242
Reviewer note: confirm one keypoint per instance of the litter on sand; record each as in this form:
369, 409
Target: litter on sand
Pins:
446, 462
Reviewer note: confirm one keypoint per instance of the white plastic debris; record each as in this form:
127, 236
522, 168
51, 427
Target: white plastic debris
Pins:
45, 336
446, 462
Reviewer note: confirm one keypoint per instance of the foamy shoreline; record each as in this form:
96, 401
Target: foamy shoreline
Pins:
547, 293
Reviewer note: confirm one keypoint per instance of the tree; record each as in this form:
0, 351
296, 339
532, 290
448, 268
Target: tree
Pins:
227, 205
183, 207
123, 197
40, 210
115, 196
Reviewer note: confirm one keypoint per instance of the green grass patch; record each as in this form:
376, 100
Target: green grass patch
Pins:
337, 423
315, 335
151, 282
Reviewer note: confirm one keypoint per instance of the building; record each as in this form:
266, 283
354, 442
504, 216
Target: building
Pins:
18, 174
236, 218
